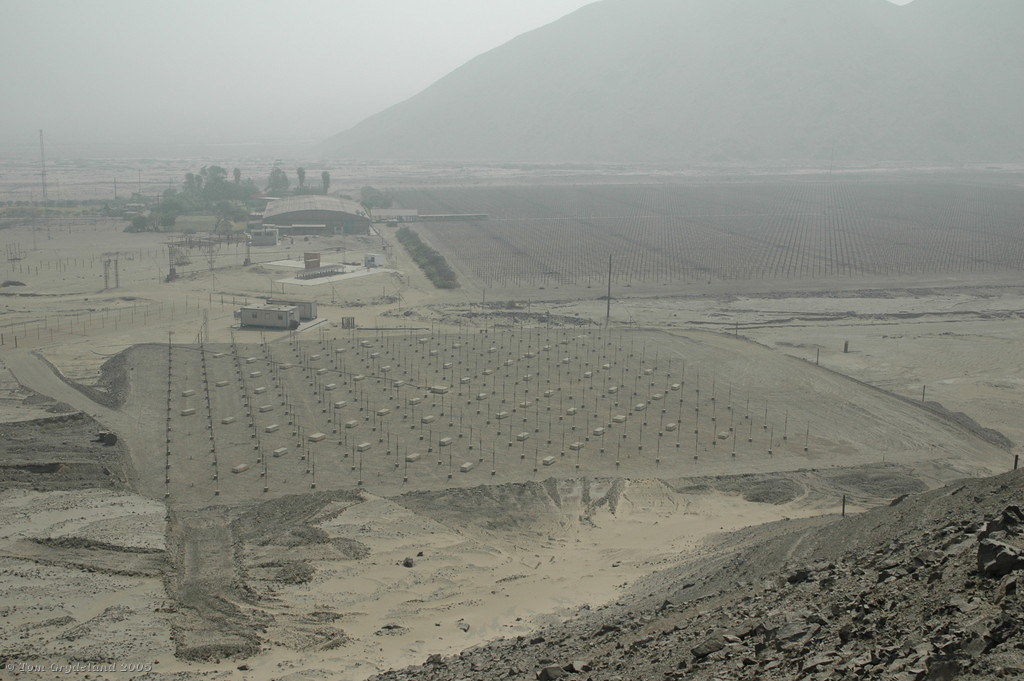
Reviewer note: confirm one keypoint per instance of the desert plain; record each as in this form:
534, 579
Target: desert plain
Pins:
477, 463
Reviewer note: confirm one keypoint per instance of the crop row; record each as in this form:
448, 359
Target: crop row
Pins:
741, 230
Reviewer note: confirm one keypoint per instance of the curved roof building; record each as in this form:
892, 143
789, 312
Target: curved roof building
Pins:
317, 214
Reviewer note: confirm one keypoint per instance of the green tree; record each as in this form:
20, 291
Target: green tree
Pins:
238, 175
227, 214
215, 185
372, 197
278, 182
325, 180
193, 186
140, 223
301, 172
170, 207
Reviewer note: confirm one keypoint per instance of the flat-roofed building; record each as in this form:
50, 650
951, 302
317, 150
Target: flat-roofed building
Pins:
269, 317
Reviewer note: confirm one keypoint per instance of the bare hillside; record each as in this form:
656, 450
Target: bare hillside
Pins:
726, 81
926, 588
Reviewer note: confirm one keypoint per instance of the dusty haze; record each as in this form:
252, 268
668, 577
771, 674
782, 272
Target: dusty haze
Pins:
727, 81
175, 77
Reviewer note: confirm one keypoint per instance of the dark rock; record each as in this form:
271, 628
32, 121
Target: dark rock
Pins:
710, 645
408, 562
974, 645
551, 672
1007, 587
862, 660
1003, 629
390, 630
795, 631
942, 670
748, 629
927, 556
1008, 520
818, 661
996, 558
799, 576
577, 667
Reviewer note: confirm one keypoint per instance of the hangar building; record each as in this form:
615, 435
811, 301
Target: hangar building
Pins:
316, 214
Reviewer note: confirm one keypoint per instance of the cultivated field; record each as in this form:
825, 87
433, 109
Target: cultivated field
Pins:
549, 236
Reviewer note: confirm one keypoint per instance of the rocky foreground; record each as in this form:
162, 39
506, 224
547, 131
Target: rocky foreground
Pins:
927, 588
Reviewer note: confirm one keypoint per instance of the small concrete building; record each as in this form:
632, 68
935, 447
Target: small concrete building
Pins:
395, 215
263, 236
269, 317
306, 307
371, 260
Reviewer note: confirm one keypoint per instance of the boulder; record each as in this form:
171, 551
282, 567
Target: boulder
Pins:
709, 645
996, 558
942, 670
551, 672
1008, 520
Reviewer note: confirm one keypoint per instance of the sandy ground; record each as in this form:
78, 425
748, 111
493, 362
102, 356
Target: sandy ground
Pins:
314, 584
468, 585
82, 578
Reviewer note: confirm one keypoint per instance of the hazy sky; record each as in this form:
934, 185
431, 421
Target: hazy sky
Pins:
150, 75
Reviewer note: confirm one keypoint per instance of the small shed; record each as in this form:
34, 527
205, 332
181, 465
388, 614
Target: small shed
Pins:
263, 236
305, 306
269, 317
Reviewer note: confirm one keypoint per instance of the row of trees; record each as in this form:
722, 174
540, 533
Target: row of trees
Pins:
278, 182
211, 184
212, 191
225, 214
209, 191
433, 264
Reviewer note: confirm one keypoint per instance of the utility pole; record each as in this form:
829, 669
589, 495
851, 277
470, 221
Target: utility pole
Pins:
42, 164
110, 262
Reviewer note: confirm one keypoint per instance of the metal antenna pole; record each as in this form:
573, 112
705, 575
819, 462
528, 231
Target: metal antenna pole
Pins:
608, 307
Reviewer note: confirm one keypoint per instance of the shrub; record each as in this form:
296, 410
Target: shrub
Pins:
433, 264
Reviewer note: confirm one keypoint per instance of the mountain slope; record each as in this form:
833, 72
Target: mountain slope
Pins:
727, 81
